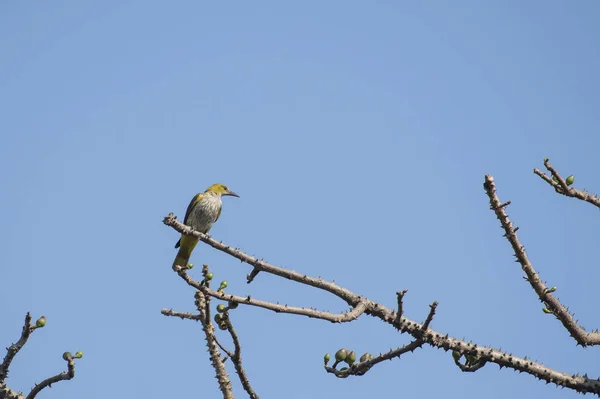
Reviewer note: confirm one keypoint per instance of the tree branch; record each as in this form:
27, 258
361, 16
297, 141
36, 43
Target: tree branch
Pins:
552, 303
64, 376
431, 337
203, 305
343, 317
362, 367
400, 298
12, 350
181, 315
429, 318
560, 185
237, 358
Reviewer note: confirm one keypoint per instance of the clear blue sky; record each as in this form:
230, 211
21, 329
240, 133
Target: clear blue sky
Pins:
357, 136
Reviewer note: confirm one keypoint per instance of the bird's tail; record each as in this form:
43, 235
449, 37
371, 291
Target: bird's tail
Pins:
185, 251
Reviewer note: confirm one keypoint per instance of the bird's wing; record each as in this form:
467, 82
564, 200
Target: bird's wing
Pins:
218, 214
191, 206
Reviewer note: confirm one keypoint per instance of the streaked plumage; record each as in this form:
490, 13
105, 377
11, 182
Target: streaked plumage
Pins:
202, 212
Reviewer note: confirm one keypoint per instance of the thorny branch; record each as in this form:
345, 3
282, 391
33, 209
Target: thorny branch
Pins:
63, 376
11, 352
279, 308
477, 356
203, 306
362, 367
236, 358
429, 318
552, 303
16, 347
400, 312
181, 315
561, 187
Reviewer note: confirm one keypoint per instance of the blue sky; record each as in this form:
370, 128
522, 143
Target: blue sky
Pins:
357, 136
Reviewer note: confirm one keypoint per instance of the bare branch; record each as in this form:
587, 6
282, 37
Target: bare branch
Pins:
351, 298
211, 341
12, 350
400, 296
552, 303
63, 376
15, 348
343, 317
560, 185
224, 349
433, 338
429, 318
237, 358
362, 367
181, 315
7, 393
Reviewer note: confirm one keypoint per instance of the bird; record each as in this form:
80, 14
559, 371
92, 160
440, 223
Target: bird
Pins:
202, 212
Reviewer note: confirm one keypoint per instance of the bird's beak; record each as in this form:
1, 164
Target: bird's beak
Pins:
231, 193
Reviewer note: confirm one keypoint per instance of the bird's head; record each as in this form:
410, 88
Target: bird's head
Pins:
220, 189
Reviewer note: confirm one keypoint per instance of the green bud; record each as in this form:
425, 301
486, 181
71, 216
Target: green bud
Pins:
550, 290
223, 285
351, 358
67, 356
41, 322
78, 355
326, 358
233, 305
456, 355
221, 308
223, 326
554, 179
209, 276
190, 266
366, 357
218, 318
546, 159
546, 310
570, 180
340, 355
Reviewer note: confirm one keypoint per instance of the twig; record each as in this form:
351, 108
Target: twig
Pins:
362, 367
561, 187
432, 309
343, 317
16, 347
63, 376
237, 358
181, 315
552, 303
224, 349
400, 297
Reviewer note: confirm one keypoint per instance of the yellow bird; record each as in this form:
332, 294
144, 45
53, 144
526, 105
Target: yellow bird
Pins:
202, 212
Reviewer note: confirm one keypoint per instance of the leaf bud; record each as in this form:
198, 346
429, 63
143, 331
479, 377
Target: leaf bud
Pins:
41, 322
340, 355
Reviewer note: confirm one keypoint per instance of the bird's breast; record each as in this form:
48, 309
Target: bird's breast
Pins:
205, 213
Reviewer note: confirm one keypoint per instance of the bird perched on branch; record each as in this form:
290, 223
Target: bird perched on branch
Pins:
202, 212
